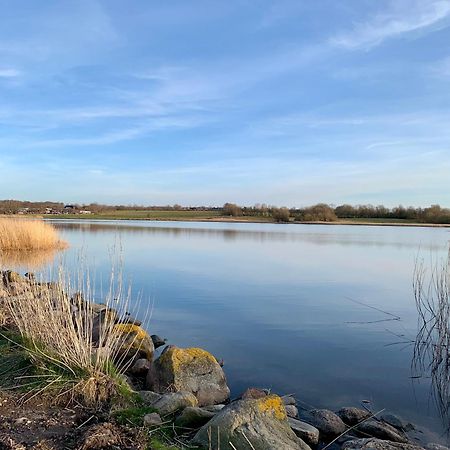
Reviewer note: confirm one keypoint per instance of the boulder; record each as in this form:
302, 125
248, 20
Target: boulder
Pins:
288, 400
254, 393
152, 420
381, 430
171, 403
149, 397
291, 411
158, 341
352, 416
194, 417
140, 367
305, 431
10, 276
192, 370
214, 408
134, 342
377, 444
396, 422
262, 422
327, 422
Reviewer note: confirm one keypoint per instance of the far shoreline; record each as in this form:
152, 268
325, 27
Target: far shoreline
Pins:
250, 220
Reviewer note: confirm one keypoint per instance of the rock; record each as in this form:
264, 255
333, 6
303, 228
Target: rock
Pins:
192, 370
394, 421
149, 397
432, 446
134, 342
254, 393
101, 436
377, 444
152, 420
381, 430
140, 367
262, 422
352, 416
158, 341
194, 417
8, 443
214, 408
10, 276
291, 411
327, 422
289, 400
305, 431
170, 403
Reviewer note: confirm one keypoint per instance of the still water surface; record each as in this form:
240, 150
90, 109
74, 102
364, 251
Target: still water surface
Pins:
281, 304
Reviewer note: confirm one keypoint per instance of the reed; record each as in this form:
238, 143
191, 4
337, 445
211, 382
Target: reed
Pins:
23, 234
68, 339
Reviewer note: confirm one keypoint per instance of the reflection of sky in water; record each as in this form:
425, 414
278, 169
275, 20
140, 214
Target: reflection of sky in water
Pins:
274, 301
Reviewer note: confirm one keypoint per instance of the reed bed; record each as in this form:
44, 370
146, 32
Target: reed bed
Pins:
23, 234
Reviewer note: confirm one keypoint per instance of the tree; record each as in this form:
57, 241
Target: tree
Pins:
317, 213
281, 214
230, 209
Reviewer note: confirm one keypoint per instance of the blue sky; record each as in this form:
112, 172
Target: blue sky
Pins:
287, 102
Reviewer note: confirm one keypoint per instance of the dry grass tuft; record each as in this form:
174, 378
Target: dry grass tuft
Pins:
22, 234
71, 336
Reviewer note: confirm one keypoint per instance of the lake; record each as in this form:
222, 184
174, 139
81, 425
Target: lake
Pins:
287, 307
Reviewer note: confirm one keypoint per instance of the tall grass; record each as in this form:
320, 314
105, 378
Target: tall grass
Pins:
432, 343
67, 336
22, 234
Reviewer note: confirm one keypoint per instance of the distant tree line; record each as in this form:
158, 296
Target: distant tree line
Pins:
316, 213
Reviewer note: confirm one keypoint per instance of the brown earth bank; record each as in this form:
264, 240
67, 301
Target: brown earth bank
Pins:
137, 399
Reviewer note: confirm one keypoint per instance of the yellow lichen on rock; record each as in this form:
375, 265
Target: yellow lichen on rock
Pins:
134, 338
272, 404
179, 357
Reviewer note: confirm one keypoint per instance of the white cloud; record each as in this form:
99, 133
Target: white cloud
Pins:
417, 15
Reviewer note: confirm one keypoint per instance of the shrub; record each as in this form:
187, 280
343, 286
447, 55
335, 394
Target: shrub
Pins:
230, 209
281, 214
317, 213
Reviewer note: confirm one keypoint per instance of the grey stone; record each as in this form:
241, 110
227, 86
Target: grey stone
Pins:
140, 367
381, 430
352, 416
305, 431
432, 446
262, 422
171, 403
394, 420
289, 400
152, 420
327, 422
291, 411
194, 417
214, 408
377, 444
193, 370
158, 341
149, 397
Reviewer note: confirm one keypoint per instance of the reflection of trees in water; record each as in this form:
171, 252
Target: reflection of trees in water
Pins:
30, 260
432, 345
292, 234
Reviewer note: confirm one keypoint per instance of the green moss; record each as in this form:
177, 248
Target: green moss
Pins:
157, 444
133, 416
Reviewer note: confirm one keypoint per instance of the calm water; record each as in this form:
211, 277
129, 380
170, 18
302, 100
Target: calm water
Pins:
279, 303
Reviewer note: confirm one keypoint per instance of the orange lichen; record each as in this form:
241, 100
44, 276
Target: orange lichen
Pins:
272, 404
134, 337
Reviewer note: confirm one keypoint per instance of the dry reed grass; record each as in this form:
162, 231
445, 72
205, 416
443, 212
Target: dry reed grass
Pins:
59, 331
23, 234
431, 347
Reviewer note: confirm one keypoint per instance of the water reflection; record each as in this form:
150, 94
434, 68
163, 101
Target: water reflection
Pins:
323, 235
27, 260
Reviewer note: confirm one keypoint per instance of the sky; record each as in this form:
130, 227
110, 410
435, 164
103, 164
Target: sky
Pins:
200, 102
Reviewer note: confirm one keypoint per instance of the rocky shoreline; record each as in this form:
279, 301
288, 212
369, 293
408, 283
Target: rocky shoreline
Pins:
185, 389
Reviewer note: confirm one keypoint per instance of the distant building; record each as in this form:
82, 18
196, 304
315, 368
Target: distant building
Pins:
85, 211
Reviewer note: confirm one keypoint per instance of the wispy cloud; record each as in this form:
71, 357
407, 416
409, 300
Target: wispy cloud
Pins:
9, 73
405, 18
